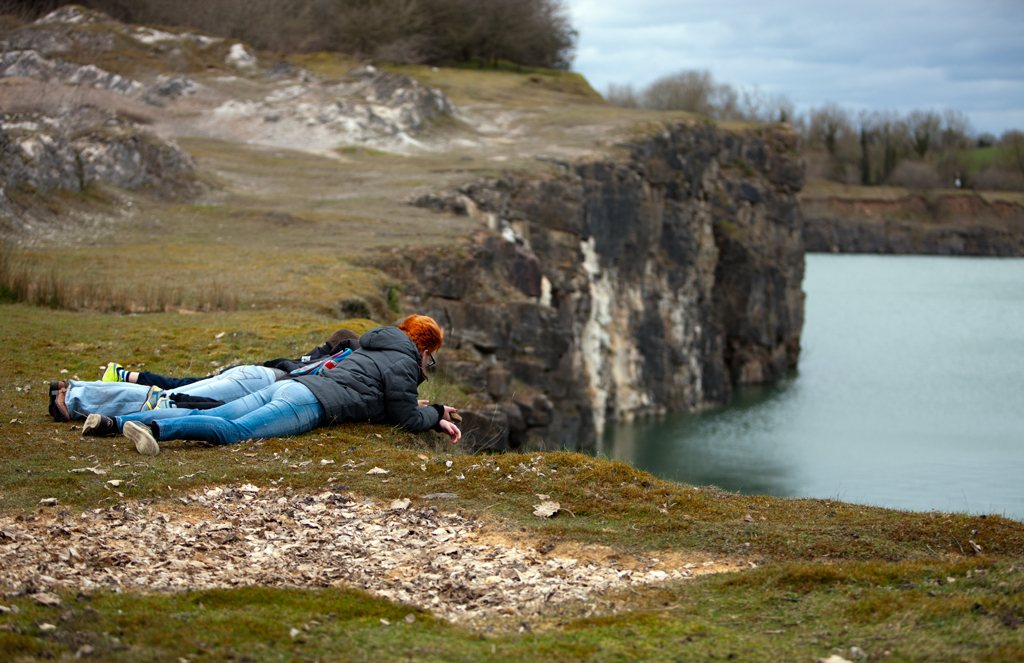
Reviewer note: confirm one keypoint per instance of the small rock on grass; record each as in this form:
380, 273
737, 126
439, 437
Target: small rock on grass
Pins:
46, 598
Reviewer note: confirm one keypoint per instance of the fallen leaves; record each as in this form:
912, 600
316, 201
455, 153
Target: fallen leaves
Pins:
546, 509
250, 536
377, 470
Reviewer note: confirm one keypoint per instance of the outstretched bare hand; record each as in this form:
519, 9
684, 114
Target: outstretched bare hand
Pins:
452, 430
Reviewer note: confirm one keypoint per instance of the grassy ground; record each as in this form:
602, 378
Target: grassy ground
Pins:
271, 248
831, 575
823, 189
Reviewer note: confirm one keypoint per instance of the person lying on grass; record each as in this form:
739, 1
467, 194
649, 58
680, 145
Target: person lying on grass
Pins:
111, 396
377, 383
336, 342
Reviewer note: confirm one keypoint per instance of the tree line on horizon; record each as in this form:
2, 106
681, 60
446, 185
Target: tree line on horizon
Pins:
921, 149
530, 33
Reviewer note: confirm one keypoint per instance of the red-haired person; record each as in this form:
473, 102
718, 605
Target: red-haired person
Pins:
377, 383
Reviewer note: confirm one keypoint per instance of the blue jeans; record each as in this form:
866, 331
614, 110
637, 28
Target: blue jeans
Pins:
119, 398
283, 409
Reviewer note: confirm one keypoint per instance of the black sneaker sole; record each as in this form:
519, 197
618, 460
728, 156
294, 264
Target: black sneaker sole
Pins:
99, 426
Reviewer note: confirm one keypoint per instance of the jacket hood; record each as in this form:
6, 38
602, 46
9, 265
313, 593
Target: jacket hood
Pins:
389, 338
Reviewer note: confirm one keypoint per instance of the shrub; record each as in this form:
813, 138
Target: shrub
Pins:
534, 33
915, 175
994, 178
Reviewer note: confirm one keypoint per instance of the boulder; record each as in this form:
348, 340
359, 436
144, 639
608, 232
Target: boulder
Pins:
485, 431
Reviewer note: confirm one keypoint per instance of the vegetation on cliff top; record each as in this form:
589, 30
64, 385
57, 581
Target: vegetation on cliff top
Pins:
530, 33
921, 149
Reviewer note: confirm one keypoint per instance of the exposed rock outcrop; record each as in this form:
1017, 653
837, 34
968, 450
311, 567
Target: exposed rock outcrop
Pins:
615, 289
959, 224
368, 107
293, 108
30, 64
41, 153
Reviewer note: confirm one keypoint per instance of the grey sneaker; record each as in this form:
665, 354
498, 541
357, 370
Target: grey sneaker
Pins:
152, 398
145, 444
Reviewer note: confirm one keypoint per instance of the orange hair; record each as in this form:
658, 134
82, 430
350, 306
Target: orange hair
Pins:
424, 332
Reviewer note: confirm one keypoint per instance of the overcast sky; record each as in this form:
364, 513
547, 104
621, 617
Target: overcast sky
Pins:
869, 54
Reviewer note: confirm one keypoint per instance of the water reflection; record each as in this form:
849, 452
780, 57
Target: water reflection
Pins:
733, 448
909, 395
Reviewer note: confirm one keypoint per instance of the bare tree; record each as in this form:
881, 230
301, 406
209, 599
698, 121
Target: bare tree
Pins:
696, 92
765, 107
828, 124
956, 130
1012, 142
867, 134
892, 134
691, 91
924, 128
623, 96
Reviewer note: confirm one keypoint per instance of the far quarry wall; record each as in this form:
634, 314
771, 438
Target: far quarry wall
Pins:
961, 223
613, 289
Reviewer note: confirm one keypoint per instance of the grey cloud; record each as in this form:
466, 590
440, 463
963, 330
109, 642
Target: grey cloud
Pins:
886, 54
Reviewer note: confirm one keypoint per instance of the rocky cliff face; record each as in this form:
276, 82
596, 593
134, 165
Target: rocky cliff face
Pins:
961, 224
613, 289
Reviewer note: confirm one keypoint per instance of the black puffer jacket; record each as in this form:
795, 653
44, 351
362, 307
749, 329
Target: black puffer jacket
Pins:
376, 383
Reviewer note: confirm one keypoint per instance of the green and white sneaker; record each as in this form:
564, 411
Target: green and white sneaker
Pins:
145, 443
112, 374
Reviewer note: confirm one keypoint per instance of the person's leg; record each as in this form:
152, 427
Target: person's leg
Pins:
284, 409
233, 410
164, 382
108, 398
233, 383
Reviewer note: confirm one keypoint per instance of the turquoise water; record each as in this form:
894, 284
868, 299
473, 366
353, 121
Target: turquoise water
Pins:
909, 395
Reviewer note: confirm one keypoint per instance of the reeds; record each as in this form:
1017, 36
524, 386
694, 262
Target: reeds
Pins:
21, 281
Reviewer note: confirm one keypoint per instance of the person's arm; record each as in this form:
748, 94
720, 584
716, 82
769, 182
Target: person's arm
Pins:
401, 399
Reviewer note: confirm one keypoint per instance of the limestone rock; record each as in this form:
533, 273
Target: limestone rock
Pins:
86, 146
30, 64
369, 107
619, 289
485, 431
168, 89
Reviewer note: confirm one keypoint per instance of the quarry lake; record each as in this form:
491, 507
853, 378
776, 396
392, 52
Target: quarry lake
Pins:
909, 395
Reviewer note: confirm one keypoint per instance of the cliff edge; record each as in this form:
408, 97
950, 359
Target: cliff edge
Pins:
617, 288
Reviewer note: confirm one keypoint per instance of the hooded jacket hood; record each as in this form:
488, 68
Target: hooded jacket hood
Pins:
376, 383
389, 338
